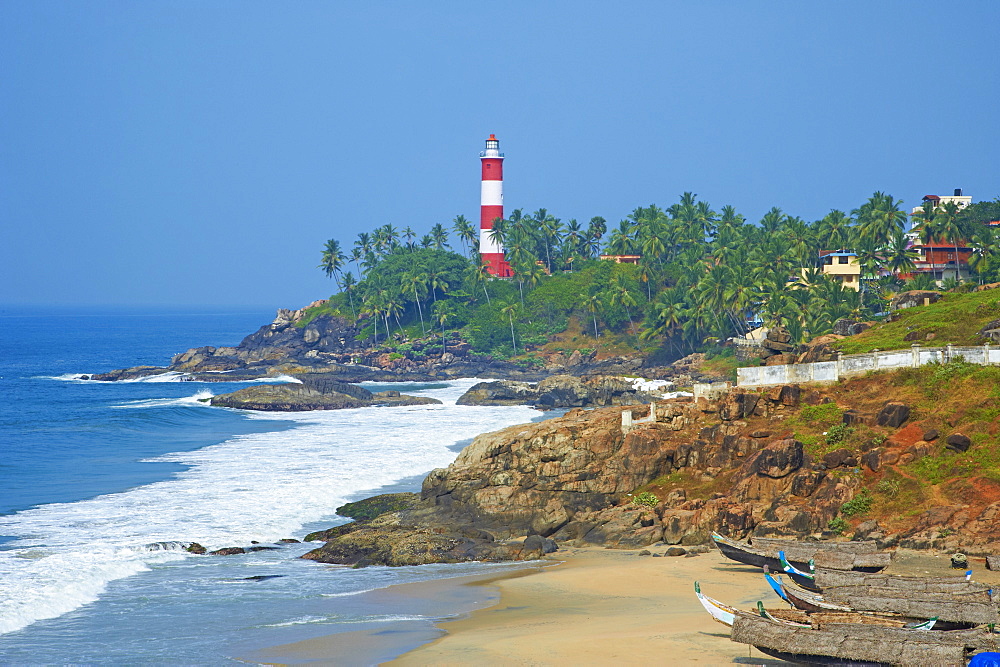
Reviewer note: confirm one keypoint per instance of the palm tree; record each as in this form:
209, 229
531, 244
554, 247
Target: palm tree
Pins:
620, 295
464, 230
953, 230
498, 233
480, 274
333, 260
372, 306
349, 283
409, 235
899, 256
440, 236
509, 310
436, 280
835, 230
879, 218
594, 303
417, 283
442, 313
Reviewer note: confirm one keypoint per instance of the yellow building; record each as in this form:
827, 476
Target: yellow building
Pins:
842, 266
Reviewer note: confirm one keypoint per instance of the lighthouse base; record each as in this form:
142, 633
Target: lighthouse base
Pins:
497, 265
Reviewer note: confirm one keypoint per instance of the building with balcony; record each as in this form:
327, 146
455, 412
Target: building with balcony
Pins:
841, 266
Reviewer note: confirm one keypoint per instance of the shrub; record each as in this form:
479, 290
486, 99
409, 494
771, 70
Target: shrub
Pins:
889, 487
646, 499
838, 433
395, 355
859, 504
838, 525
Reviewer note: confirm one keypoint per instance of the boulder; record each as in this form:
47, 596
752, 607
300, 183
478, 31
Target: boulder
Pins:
228, 551
958, 442
780, 360
777, 346
133, 373
676, 551
893, 415
778, 459
302, 397
836, 458
779, 335
502, 392
854, 417
914, 298
931, 435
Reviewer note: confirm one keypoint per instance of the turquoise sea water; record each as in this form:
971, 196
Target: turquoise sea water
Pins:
101, 482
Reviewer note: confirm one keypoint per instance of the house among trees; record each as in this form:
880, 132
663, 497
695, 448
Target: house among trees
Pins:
622, 259
938, 201
940, 239
843, 267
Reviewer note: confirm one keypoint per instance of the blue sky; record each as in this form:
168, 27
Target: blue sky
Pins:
202, 152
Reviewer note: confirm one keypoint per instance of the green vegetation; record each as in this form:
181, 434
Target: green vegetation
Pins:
859, 504
838, 525
369, 508
701, 277
955, 319
646, 499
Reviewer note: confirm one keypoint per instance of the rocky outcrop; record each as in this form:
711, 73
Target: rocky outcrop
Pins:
313, 394
133, 373
571, 479
913, 298
558, 391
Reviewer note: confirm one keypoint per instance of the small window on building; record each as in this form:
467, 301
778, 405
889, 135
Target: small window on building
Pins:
843, 259
850, 279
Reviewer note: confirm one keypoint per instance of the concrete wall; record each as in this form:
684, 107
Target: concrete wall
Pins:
859, 364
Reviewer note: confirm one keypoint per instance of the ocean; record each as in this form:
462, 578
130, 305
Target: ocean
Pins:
102, 483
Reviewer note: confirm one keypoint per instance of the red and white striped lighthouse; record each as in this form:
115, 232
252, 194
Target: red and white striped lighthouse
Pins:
491, 207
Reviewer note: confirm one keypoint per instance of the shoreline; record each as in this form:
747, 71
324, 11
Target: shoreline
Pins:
584, 605
423, 606
587, 605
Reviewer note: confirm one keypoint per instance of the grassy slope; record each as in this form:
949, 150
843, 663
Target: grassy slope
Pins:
952, 398
955, 319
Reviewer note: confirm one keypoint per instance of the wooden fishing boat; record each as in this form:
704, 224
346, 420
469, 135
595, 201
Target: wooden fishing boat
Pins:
806, 601
720, 612
825, 555
820, 619
859, 547
804, 579
857, 643
775, 584
825, 579
742, 552
952, 611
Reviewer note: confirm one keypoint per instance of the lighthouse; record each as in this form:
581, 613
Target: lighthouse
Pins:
491, 207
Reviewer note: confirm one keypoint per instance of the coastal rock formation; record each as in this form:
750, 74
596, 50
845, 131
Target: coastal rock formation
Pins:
571, 479
313, 393
558, 391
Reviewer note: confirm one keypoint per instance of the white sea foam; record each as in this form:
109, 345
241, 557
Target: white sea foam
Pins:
197, 399
261, 486
170, 376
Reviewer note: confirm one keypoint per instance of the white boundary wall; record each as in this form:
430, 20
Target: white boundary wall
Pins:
858, 364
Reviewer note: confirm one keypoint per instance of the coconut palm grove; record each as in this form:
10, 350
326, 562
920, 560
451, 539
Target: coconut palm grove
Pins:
673, 281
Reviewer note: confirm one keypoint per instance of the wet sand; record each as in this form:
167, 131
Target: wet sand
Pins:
590, 606
605, 607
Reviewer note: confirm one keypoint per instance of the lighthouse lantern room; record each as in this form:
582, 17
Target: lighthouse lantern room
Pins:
491, 208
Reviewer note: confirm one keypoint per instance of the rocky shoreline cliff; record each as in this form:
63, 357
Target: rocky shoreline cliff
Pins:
730, 465
293, 344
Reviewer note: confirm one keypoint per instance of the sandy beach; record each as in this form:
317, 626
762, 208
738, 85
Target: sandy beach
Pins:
604, 606
586, 606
